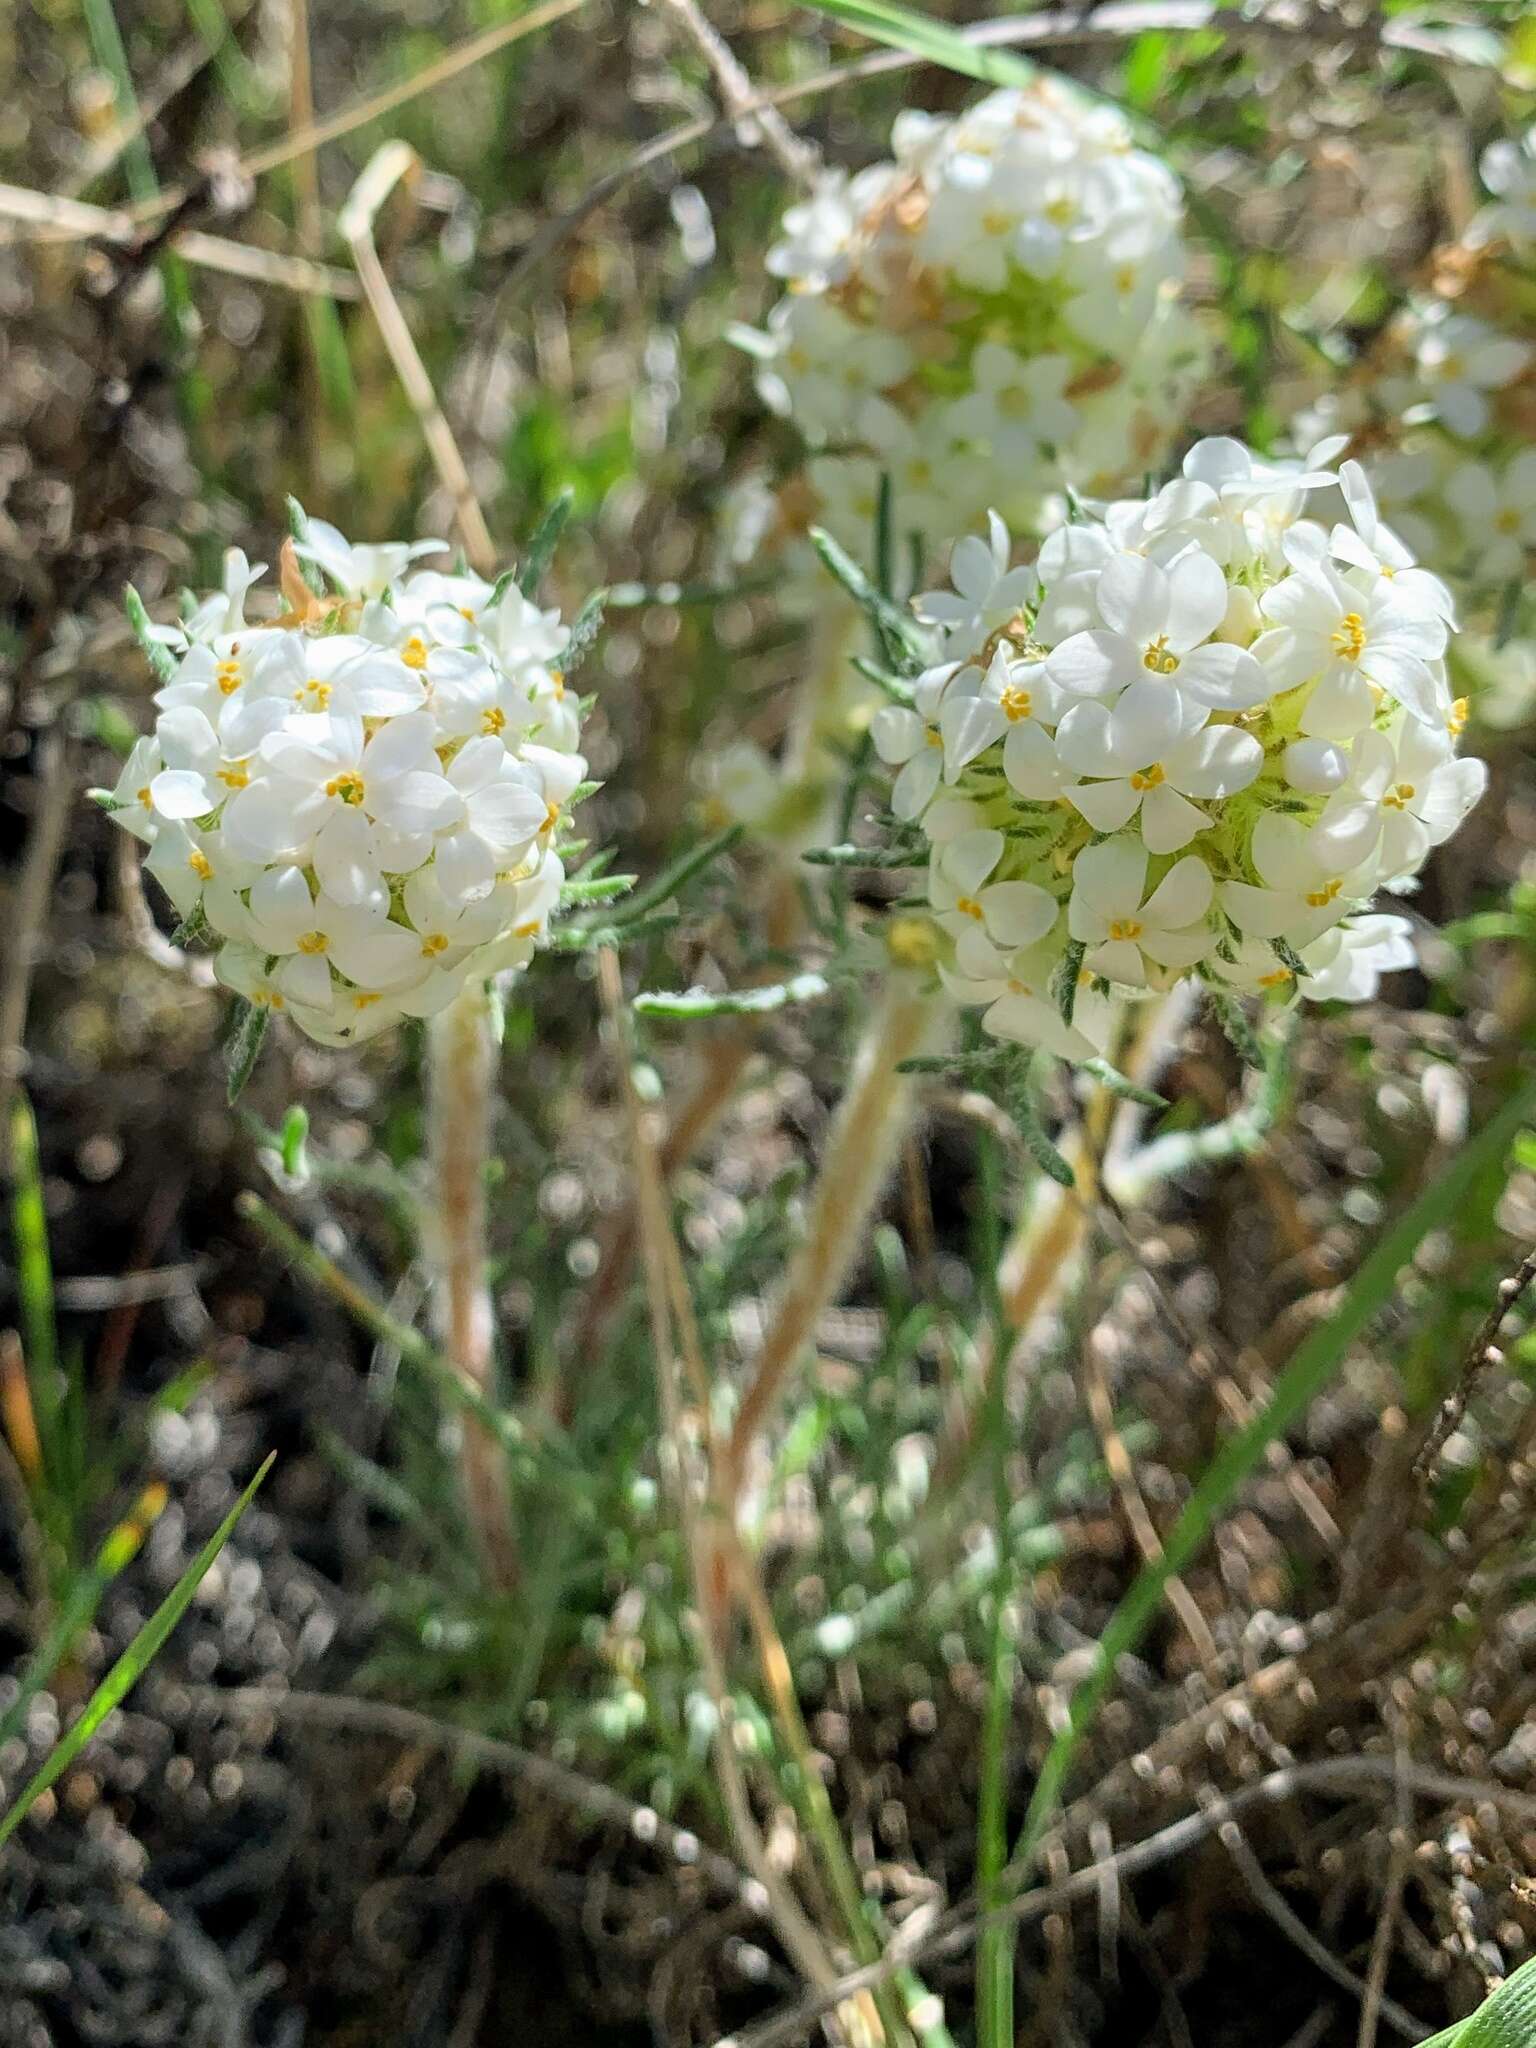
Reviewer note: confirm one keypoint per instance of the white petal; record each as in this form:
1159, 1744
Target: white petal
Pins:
343, 858
1145, 723
1197, 601
1134, 597
1093, 664
968, 860
1182, 896
1168, 821
1218, 761
1110, 878
1018, 913
180, 793
1106, 805
1226, 678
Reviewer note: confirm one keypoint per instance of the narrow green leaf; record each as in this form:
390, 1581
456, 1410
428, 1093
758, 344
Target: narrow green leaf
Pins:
155, 652
1310, 1370
674, 879
1507, 2020
599, 889
34, 1263
585, 627
546, 538
294, 1147
247, 1030
1121, 1084
298, 519
133, 1663
105, 800
744, 1002
901, 28
1233, 1019
901, 640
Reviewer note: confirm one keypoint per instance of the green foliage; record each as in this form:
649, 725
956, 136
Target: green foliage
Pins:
1506, 2020
133, 1663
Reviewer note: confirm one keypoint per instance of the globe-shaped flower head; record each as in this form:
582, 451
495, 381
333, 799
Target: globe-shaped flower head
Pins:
361, 801
988, 316
1202, 744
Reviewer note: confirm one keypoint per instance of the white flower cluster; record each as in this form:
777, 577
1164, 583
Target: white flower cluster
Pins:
1443, 409
361, 800
1194, 739
986, 317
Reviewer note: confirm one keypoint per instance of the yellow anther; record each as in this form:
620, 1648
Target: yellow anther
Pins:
529, 929
1159, 657
994, 222
348, 786
1277, 979
551, 817
933, 737
315, 694
414, 652
1015, 703
200, 864
1321, 898
364, 997
969, 907
1149, 778
142, 796
493, 721
1398, 797
467, 611
433, 944
234, 776
1123, 928
557, 677
312, 942
1456, 721
227, 676
1348, 637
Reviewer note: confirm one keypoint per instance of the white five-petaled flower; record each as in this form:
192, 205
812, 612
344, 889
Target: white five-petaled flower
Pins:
1008, 914
1351, 643
1153, 667
1131, 936
1461, 360
986, 594
1213, 762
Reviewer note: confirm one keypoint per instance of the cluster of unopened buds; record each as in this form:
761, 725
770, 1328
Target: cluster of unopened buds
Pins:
360, 801
1443, 408
989, 315
1194, 739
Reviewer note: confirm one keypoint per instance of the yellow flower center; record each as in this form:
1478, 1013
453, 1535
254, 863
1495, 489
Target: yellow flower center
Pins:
1122, 928
1321, 898
1061, 211
1397, 798
1159, 657
312, 942
1508, 521
433, 944
348, 786
414, 652
1125, 279
363, 997
557, 677
1278, 979
1015, 703
911, 942
200, 864
933, 737
315, 695
267, 999
1017, 987
493, 721
1348, 637
969, 907
551, 817
1456, 723
467, 611
227, 676
529, 929
234, 776
996, 223
141, 796
1149, 778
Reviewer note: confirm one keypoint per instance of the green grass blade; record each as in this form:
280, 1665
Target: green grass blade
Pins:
901, 28
1507, 2020
133, 1663
1308, 1373
77, 1610
34, 1266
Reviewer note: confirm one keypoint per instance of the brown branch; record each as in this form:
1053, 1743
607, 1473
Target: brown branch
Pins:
1482, 1354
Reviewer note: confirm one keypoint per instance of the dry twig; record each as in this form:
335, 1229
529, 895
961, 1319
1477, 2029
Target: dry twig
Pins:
1481, 1354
